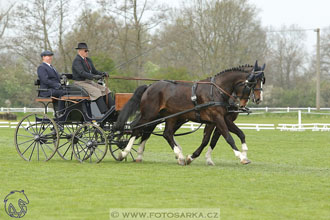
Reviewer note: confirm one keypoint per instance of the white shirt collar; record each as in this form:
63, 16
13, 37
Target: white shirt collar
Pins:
47, 63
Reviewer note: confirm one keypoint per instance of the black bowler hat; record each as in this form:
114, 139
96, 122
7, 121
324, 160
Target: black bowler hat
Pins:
46, 53
82, 46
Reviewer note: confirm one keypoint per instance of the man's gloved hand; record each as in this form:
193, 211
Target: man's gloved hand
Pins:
97, 77
105, 74
58, 86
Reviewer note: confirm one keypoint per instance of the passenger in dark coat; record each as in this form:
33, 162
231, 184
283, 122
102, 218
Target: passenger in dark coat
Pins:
50, 80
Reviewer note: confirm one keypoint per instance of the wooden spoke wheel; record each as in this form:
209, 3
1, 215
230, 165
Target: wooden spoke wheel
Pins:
36, 137
89, 143
64, 149
118, 142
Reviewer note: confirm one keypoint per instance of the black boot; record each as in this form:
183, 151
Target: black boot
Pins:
101, 104
111, 102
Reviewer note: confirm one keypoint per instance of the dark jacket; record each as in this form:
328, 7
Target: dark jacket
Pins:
49, 79
80, 71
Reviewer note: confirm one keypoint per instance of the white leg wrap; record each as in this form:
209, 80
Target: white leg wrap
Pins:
239, 155
208, 157
141, 150
244, 150
128, 147
208, 153
176, 143
244, 147
178, 152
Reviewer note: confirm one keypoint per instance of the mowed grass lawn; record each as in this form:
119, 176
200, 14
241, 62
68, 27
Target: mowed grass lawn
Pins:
289, 178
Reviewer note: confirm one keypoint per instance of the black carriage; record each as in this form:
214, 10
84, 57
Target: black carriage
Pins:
78, 131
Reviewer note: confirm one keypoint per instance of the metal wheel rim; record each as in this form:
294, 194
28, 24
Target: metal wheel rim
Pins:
36, 139
91, 144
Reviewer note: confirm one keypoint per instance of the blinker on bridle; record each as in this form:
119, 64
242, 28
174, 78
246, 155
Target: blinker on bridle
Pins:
250, 84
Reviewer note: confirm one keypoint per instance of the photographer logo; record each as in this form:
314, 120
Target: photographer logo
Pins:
15, 204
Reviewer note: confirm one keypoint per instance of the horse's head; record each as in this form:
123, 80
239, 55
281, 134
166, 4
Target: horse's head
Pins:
252, 83
258, 80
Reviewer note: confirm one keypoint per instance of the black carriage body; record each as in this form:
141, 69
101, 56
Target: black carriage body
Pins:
78, 131
78, 107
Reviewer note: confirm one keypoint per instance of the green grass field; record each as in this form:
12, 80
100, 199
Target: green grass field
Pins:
289, 178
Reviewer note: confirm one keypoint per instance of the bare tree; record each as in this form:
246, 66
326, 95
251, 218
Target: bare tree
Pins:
325, 53
136, 19
39, 25
34, 27
63, 12
286, 57
213, 35
4, 20
97, 30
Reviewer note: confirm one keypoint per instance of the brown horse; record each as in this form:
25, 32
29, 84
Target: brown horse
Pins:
176, 99
230, 118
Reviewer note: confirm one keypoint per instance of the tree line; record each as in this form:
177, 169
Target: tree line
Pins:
142, 38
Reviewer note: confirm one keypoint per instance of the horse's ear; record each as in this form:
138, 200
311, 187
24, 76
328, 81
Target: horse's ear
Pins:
256, 65
263, 67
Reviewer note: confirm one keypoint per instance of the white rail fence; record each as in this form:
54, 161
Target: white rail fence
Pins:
259, 109
244, 126
25, 109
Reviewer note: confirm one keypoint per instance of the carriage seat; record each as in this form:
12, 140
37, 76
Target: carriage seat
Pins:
73, 92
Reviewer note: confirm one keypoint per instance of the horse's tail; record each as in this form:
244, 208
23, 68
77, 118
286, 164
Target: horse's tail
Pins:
130, 107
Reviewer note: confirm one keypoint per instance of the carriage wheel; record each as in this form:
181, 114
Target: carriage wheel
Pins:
89, 143
36, 137
64, 149
118, 142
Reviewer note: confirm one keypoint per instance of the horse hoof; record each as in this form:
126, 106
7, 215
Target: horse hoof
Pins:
189, 159
245, 161
138, 160
120, 156
210, 163
182, 162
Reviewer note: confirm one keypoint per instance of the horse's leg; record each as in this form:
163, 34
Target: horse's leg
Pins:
145, 136
122, 155
221, 125
229, 119
214, 140
207, 134
135, 134
177, 126
234, 129
169, 136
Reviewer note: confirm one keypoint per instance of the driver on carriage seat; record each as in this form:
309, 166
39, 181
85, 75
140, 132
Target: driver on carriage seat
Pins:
50, 79
84, 73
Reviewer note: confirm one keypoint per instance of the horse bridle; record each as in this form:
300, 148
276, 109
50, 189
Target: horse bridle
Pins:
250, 84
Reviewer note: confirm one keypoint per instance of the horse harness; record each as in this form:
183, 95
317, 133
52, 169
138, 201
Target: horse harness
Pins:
249, 85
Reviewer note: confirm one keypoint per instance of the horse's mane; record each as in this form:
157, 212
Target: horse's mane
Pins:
241, 68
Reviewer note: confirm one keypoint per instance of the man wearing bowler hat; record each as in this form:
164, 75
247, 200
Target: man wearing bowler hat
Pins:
50, 79
84, 73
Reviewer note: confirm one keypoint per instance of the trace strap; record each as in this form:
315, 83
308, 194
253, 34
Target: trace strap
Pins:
196, 108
